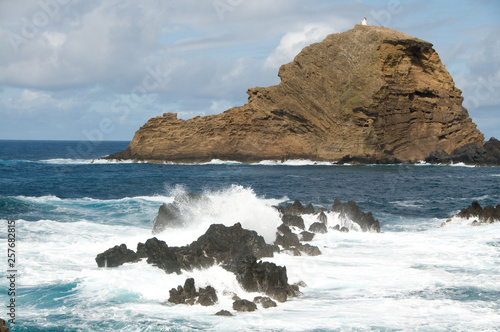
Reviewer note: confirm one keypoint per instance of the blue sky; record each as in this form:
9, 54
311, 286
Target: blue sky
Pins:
90, 69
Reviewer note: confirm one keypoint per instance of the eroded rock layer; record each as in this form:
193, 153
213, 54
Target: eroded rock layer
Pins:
369, 92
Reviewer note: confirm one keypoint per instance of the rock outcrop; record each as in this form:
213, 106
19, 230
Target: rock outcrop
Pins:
477, 215
352, 212
470, 154
189, 295
116, 256
235, 248
177, 214
370, 93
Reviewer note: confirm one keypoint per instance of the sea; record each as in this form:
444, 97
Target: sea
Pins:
63, 205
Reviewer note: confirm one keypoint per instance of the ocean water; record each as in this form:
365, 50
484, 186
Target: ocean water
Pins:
68, 206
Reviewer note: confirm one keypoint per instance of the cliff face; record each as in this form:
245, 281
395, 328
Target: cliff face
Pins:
369, 92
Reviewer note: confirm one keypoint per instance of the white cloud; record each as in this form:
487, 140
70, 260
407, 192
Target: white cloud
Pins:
92, 51
30, 102
54, 38
293, 42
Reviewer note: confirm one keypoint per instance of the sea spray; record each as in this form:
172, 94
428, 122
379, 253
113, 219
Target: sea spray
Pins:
227, 206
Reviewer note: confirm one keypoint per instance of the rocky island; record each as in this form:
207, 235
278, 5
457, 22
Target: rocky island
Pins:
367, 94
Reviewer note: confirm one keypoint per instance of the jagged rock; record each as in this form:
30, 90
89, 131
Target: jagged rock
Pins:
161, 255
487, 215
224, 313
322, 218
287, 240
171, 215
306, 236
351, 211
340, 229
207, 296
472, 154
244, 305
370, 93
265, 302
309, 249
297, 209
189, 288
218, 244
318, 227
293, 220
263, 277
188, 295
116, 256
177, 295
224, 243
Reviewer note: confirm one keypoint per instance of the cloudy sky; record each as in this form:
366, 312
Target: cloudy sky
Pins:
99, 69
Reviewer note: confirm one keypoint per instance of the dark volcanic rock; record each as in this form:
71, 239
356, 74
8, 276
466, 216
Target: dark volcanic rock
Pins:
297, 209
293, 220
486, 215
306, 236
175, 215
244, 305
287, 240
309, 249
224, 243
208, 296
471, 154
161, 255
322, 218
218, 244
351, 211
116, 256
188, 295
224, 313
318, 227
264, 277
265, 302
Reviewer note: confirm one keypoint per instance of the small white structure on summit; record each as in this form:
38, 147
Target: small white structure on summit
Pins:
364, 22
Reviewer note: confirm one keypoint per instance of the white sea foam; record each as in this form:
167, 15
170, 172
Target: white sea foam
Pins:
296, 162
228, 206
435, 279
461, 165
